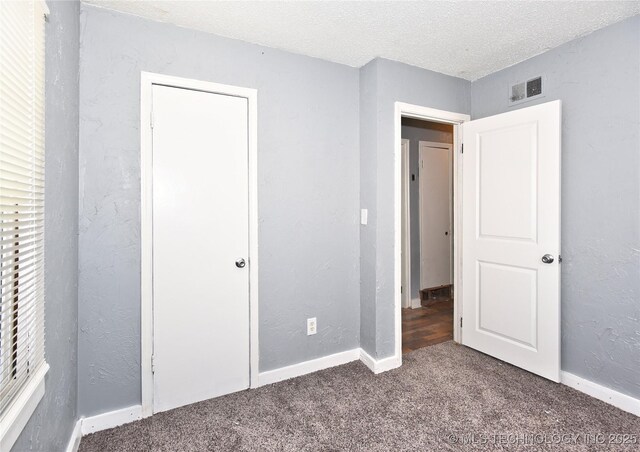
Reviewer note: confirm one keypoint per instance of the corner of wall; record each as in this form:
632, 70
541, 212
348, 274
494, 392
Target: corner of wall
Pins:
368, 171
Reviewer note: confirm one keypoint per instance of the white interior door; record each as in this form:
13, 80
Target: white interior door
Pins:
406, 226
435, 216
200, 230
511, 221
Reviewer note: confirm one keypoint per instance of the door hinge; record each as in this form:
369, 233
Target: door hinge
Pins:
560, 258
153, 364
462, 148
460, 322
151, 119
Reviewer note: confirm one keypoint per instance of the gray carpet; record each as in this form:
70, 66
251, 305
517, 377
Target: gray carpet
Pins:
441, 396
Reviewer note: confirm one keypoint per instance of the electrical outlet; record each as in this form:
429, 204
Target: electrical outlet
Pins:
311, 326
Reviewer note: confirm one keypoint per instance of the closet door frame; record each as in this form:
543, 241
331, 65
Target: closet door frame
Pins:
147, 80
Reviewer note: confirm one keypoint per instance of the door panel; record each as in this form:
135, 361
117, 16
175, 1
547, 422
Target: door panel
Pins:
507, 214
511, 218
435, 216
498, 286
200, 228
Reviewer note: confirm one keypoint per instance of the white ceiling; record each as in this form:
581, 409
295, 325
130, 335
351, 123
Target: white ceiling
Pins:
467, 39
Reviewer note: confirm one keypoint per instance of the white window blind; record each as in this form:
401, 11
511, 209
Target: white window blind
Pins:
21, 195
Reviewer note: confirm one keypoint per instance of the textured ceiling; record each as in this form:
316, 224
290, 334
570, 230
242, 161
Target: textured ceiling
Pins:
467, 39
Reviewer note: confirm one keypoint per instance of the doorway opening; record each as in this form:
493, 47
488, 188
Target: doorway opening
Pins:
427, 233
404, 110
506, 233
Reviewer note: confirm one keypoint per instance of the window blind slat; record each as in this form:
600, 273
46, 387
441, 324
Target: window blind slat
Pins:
16, 291
25, 170
8, 202
28, 315
26, 231
24, 253
18, 88
19, 194
22, 210
23, 224
26, 238
13, 147
14, 217
20, 186
8, 177
26, 272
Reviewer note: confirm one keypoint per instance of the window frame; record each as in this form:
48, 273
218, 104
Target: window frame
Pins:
23, 403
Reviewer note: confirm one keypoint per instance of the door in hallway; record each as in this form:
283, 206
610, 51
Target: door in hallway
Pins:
435, 215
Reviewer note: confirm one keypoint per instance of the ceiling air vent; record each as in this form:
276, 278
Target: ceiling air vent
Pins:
525, 91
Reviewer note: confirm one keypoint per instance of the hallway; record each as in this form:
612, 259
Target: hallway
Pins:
426, 326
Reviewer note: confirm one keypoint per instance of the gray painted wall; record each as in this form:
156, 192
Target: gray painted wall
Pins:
368, 172
416, 131
308, 147
51, 425
388, 82
598, 80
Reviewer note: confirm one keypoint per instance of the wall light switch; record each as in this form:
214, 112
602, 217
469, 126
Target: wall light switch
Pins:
364, 214
312, 326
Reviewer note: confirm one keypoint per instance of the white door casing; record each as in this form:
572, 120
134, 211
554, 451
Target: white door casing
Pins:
406, 225
224, 119
402, 109
435, 174
511, 219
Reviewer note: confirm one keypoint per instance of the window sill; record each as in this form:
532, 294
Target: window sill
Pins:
19, 412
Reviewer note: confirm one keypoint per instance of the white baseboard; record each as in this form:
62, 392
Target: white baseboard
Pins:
337, 359
608, 395
368, 361
111, 419
76, 436
416, 303
306, 367
115, 418
382, 365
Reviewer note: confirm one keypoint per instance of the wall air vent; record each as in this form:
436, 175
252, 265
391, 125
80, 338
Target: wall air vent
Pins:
534, 87
525, 91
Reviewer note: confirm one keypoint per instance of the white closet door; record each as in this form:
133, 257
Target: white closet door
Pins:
435, 216
200, 230
511, 237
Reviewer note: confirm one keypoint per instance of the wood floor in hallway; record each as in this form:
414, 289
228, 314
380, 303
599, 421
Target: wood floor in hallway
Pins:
426, 326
